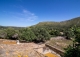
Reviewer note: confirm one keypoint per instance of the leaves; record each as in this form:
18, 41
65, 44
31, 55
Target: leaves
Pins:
74, 50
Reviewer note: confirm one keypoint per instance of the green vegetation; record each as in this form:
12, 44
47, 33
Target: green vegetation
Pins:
41, 31
74, 50
71, 52
27, 35
62, 26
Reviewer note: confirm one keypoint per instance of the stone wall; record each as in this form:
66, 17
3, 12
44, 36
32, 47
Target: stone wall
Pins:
60, 52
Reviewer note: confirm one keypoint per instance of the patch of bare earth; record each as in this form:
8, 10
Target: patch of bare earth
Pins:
19, 50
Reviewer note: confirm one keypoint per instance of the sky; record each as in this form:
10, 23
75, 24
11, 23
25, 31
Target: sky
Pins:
23, 13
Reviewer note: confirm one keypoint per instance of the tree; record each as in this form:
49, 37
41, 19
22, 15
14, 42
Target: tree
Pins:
54, 32
3, 34
12, 33
77, 34
57, 33
74, 50
71, 52
41, 34
51, 32
28, 35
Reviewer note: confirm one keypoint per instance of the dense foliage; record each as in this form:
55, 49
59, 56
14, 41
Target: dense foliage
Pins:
27, 35
74, 50
71, 52
41, 33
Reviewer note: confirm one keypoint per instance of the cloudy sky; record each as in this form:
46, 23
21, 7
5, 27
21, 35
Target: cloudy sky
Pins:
30, 12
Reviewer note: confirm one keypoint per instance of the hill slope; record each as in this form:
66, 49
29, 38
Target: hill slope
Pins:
63, 24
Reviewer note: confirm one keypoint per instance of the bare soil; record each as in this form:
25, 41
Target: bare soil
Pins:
11, 49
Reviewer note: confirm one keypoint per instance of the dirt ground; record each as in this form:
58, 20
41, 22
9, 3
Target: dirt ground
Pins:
19, 50
9, 48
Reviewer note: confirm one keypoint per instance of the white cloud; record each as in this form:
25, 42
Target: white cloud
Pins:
25, 11
29, 16
25, 15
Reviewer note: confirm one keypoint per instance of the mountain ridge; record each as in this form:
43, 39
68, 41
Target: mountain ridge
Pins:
71, 22
66, 23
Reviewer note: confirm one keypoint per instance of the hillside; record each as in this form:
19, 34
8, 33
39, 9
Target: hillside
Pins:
62, 24
5, 27
67, 23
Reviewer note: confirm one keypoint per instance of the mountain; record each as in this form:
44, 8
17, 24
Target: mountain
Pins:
72, 22
55, 25
62, 24
5, 27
